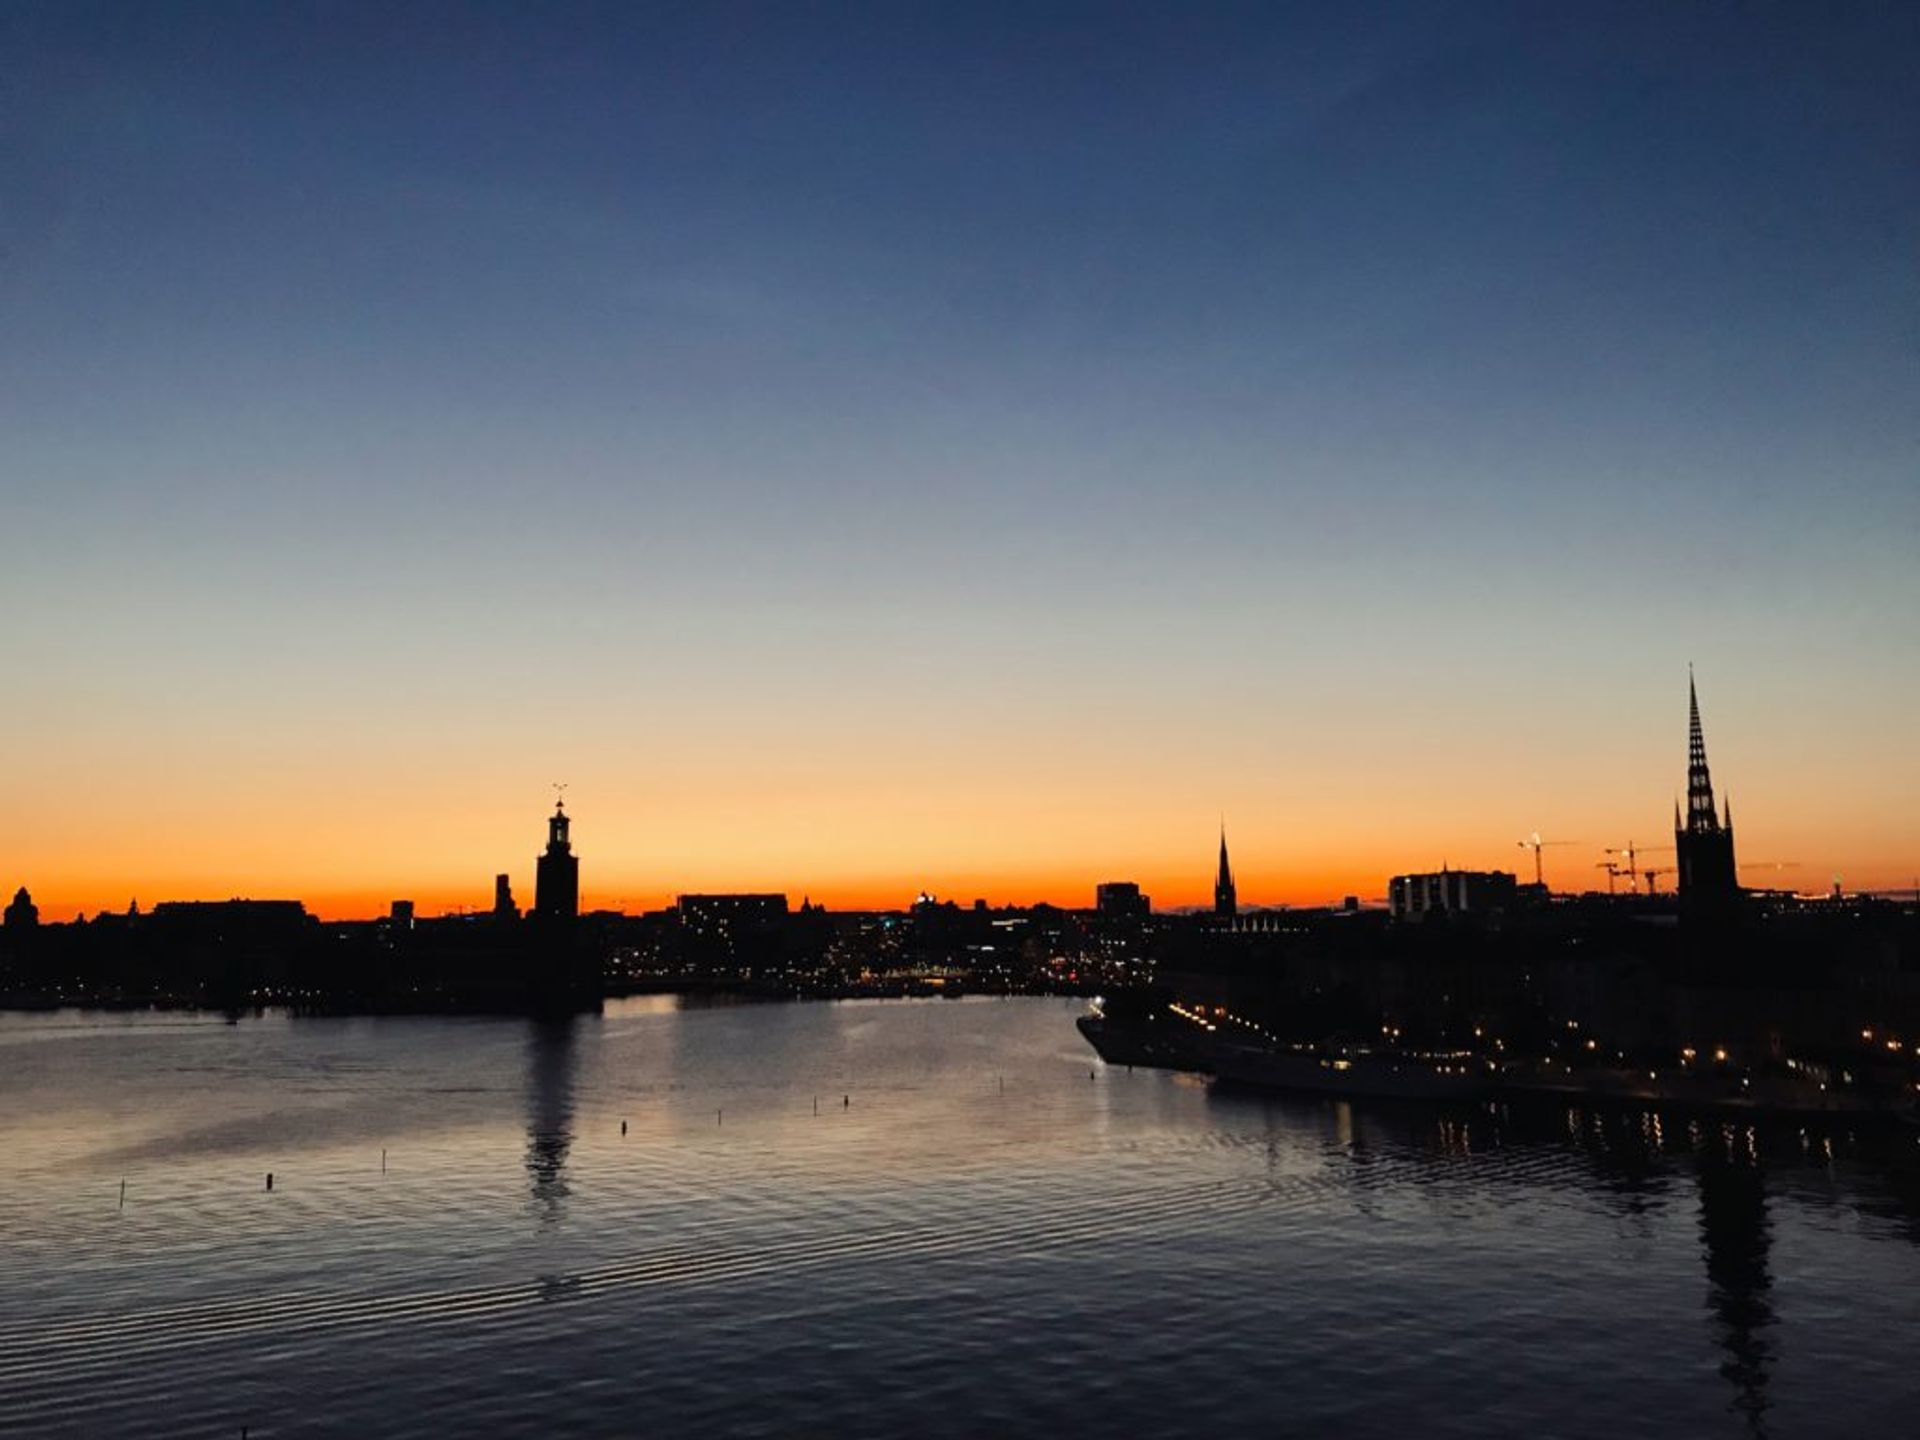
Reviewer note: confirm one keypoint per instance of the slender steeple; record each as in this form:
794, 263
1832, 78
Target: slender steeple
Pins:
1225, 901
1701, 819
1703, 837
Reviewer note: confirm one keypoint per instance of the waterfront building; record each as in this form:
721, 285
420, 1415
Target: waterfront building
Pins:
556, 876
22, 914
503, 906
1702, 838
1121, 900
1450, 892
733, 930
711, 914
1226, 903
731, 917
222, 919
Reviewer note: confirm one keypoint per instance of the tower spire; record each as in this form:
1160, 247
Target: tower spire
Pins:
556, 875
1703, 839
1225, 900
1701, 817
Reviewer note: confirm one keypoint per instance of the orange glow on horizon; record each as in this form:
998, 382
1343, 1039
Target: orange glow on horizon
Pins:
348, 811
1169, 890
1067, 891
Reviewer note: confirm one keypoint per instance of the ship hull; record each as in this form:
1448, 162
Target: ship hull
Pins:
1155, 1042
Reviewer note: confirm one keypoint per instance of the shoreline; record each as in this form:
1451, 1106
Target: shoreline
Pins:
505, 1007
1183, 1050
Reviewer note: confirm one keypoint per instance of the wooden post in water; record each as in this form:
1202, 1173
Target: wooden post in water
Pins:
269, 1179
383, 1159
123, 1194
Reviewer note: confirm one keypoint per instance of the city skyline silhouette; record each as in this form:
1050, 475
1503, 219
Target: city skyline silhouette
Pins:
1702, 857
972, 446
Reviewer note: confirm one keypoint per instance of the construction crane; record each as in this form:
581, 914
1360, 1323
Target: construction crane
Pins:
1613, 873
1650, 874
1633, 852
1534, 843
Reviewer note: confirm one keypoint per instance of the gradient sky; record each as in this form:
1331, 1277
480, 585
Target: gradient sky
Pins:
968, 447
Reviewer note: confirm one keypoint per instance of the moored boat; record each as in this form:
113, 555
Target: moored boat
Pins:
1155, 1039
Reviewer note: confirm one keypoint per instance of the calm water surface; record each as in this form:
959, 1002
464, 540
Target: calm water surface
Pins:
971, 1236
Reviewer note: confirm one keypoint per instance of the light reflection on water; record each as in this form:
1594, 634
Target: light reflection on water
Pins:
967, 1235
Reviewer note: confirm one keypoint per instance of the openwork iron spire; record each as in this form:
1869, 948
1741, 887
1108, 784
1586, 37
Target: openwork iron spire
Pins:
1701, 817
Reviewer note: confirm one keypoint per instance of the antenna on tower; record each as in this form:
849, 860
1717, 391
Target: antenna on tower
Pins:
559, 795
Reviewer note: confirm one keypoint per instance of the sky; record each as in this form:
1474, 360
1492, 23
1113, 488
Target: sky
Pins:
970, 448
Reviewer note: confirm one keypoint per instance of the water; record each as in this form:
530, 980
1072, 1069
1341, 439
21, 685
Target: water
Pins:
978, 1239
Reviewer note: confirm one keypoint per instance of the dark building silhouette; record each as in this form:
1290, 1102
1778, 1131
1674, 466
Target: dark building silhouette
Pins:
1226, 902
236, 947
400, 915
717, 914
22, 914
503, 906
260, 921
1450, 892
556, 885
1702, 840
1121, 900
729, 930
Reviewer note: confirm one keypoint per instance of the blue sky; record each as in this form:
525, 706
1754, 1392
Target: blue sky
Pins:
1222, 407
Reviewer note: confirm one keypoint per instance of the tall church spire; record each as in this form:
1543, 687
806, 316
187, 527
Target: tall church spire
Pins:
1703, 838
1701, 819
1225, 901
